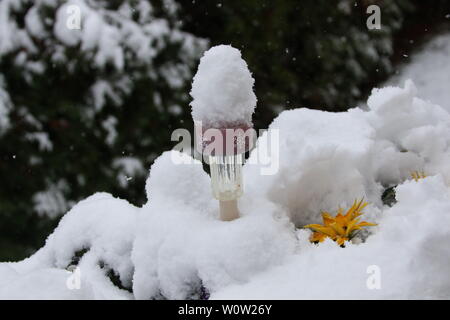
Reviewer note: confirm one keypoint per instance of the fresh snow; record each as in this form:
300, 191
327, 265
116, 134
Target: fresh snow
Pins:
222, 89
409, 250
5, 106
175, 244
430, 70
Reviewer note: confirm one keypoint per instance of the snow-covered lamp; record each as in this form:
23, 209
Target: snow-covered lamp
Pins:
222, 108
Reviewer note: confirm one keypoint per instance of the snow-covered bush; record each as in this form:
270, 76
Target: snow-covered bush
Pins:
174, 247
68, 90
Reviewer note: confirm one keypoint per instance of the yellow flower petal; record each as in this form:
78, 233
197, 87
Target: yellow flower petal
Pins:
341, 220
351, 227
323, 229
366, 224
317, 237
341, 240
340, 228
327, 218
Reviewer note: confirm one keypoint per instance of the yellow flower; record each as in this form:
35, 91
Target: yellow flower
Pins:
417, 175
342, 227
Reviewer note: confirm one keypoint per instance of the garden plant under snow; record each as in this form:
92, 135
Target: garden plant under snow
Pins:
174, 247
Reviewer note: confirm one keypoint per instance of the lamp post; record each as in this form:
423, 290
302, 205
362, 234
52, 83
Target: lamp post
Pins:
226, 182
222, 108
225, 151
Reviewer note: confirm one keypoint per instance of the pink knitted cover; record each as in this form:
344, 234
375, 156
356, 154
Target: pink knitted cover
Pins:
226, 140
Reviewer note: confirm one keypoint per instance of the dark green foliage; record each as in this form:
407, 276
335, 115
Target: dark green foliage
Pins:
115, 279
312, 53
77, 257
388, 196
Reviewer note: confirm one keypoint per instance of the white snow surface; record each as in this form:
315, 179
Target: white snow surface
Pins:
430, 70
409, 250
175, 244
222, 89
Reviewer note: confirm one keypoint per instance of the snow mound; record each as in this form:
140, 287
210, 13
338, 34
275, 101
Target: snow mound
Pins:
222, 89
180, 244
175, 247
325, 160
410, 133
96, 236
409, 253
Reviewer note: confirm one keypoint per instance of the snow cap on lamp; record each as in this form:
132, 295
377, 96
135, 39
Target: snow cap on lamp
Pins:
224, 101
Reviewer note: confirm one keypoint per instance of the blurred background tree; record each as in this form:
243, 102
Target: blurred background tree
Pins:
314, 54
84, 110
88, 110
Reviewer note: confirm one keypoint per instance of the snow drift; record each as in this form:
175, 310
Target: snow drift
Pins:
430, 69
174, 247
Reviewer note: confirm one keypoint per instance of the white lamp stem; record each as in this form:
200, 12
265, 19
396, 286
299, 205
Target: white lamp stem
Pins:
228, 210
